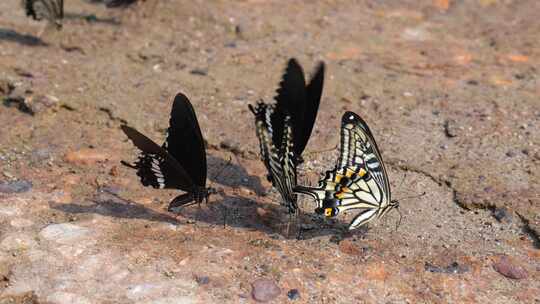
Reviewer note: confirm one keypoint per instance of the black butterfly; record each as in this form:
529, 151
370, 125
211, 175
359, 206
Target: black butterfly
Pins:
284, 129
52, 10
180, 163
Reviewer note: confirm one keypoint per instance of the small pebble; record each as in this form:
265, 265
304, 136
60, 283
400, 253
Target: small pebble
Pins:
450, 128
293, 294
505, 266
202, 280
200, 72
264, 290
454, 267
15, 186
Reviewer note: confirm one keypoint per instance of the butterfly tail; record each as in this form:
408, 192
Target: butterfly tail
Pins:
309, 191
125, 163
180, 201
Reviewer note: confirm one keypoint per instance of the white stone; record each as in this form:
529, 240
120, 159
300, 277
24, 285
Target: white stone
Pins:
61, 297
64, 233
17, 241
21, 223
9, 211
71, 251
415, 34
36, 255
140, 291
172, 300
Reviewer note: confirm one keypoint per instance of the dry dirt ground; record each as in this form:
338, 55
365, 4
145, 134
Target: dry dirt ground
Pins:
450, 89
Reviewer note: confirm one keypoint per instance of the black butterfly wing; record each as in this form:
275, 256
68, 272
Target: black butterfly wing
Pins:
184, 140
155, 166
314, 92
290, 100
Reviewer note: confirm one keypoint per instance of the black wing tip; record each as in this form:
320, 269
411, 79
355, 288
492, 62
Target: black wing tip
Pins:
320, 69
293, 62
351, 117
294, 68
181, 99
181, 95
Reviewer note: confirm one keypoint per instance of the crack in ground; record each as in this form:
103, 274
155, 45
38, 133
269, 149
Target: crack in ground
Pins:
438, 180
526, 228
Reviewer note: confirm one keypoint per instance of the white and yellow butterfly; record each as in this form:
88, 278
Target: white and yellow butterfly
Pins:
359, 180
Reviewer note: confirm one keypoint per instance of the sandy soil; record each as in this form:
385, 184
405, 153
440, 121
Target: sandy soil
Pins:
450, 89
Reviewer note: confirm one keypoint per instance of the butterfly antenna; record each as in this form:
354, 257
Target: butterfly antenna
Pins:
402, 180
412, 196
399, 221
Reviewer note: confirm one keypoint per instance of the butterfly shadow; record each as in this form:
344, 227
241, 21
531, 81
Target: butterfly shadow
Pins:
233, 174
110, 204
241, 212
23, 39
93, 19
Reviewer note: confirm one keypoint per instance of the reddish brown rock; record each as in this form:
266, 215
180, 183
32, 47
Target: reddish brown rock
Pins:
85, 157
264, 290
509, 268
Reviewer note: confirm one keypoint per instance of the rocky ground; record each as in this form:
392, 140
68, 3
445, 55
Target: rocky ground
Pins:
450, 89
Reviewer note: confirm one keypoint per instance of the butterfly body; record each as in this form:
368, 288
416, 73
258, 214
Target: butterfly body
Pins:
180, 163
284, 128
359, 180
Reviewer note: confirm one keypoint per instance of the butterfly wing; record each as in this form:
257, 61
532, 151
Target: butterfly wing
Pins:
290, 100
313, 99
359, 147
263, 129
359, 180
184, 140
155, 166
52, 10
285, 175
278, 161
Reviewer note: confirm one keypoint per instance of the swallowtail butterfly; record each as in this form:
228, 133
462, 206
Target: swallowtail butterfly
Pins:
52, 10
284, 128
359, 180
180, 163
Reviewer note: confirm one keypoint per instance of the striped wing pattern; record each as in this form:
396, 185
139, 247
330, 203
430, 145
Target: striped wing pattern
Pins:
155, 166
359, 180
279, 161
51, 10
